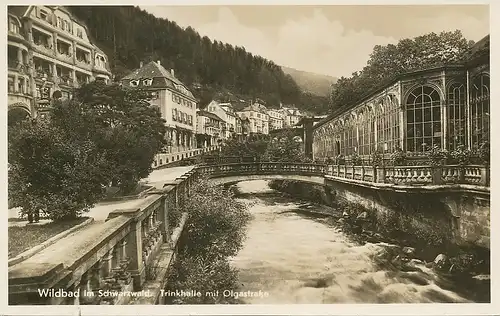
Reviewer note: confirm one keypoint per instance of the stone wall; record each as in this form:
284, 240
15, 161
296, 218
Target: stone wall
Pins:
435, 217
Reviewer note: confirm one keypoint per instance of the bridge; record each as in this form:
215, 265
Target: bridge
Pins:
133, 249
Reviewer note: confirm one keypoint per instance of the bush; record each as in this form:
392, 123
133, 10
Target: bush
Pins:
461, 155
214, 232
437, 156
398, 157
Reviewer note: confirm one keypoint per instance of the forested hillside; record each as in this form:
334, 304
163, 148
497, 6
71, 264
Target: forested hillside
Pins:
317, 84
130, 35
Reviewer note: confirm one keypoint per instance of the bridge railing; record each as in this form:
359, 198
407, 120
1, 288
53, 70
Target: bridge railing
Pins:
414, 175
262, 168
399, 175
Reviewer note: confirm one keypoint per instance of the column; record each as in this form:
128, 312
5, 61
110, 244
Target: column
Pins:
16, 83
73, 75
20, 56
468, 112
54, 42
54, 72
73, 48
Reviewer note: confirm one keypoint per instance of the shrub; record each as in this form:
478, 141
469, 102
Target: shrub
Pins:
437, 156
215, 231
398, 157
461, 155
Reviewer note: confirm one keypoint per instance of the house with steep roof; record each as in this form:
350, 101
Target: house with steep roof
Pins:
176, 103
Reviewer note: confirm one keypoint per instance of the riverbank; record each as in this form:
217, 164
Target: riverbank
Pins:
406, 251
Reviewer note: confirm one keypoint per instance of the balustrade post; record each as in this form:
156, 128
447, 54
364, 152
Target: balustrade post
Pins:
107, 264
380, 174
337, 167
134, 250
165, 225
85, 289
76, 286
485, 175
362, 173
96, 275
436, 173
353, 172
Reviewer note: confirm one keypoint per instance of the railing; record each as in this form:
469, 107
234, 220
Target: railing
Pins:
398, 175
119, 255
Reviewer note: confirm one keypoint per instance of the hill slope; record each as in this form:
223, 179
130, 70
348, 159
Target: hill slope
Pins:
314, 83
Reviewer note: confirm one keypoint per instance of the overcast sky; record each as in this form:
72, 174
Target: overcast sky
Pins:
334, 40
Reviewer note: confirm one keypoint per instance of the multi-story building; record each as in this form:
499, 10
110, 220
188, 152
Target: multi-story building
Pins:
208, 129
49, 54
226, 112
445, 107
275, 119
257, 117
291, 116
176, 103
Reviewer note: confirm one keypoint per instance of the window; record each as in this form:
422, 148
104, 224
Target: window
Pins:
174, 114
387, 124
147, 82
480, 109
456, 116
423, 115
79, 33
13, 26
11, 85
44, 15
134, 83
59, 22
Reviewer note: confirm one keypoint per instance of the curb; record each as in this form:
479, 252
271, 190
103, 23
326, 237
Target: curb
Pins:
31, 252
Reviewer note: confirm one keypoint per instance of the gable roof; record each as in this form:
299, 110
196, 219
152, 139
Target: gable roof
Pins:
155, 70
209, 114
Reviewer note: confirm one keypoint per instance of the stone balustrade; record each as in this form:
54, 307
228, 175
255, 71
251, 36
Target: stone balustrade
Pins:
399, 175
113, 256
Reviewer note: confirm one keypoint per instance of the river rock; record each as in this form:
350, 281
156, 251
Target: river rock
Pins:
363, 216
441, 262
482, 277
409, 251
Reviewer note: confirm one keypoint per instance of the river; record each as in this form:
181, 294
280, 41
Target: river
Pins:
295, 257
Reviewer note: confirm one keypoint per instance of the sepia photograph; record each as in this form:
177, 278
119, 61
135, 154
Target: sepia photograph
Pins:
225, 154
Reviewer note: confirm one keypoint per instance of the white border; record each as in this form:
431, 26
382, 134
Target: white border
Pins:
344, 309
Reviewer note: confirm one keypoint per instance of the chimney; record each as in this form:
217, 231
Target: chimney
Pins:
141, 64
159, 62
172, 72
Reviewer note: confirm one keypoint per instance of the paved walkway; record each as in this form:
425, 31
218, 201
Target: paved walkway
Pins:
101, 210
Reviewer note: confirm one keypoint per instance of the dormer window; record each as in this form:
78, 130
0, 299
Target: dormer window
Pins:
79, 33
44, 15
13, 26
134, 83
147, 82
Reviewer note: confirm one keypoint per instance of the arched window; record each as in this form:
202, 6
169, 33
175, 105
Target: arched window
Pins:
387, 120
423, 119
365, 132
456, 116
480, 109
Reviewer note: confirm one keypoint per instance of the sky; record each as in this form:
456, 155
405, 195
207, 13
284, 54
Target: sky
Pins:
334, 40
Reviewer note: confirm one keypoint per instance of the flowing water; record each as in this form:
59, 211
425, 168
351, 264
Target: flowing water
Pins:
296, 258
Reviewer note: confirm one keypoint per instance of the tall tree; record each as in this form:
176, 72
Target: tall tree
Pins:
388, 61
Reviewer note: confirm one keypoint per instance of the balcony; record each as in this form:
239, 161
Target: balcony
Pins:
66, 80
15, 65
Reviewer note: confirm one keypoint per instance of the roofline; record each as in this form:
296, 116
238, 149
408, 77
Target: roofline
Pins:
379, 89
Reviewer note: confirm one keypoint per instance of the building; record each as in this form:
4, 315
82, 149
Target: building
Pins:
208, 129
291, 116
276, 119
49, 54
176, 103
445, 106
226, 112
257, 117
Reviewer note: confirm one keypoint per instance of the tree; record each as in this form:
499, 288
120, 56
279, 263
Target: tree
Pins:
129, 130
386, 62
53, 172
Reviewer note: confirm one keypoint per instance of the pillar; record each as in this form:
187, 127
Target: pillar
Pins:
20, 56
308, 137
165, 229
54, 42
468, 113
107, 263
73, 76
16, 83
134, 251
54, 72
73, 49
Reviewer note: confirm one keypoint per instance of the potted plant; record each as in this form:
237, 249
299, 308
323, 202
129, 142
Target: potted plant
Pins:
356, 159
398, 157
